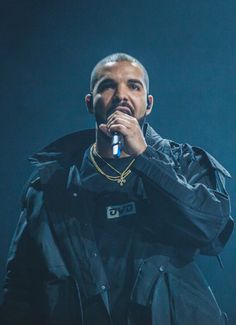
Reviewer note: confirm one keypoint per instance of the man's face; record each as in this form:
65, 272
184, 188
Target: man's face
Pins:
120, 86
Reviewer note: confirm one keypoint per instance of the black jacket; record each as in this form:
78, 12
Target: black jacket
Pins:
54, 265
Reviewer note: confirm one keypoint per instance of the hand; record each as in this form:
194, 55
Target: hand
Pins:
128, 126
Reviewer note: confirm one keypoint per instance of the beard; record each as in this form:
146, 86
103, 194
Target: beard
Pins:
142, 121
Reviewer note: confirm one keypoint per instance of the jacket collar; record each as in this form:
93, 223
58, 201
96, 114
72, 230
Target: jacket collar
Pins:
70, 148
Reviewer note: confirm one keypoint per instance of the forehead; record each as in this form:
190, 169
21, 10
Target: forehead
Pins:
120, 70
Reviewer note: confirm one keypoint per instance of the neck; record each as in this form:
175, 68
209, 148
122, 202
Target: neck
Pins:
103, 145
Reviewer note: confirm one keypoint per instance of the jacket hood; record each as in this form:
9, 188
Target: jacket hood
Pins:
70, 148
64, 150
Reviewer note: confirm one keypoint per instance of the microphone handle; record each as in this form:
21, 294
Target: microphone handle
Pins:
116, 144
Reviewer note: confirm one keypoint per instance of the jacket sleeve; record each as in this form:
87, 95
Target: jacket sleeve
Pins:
189, 184
22, 276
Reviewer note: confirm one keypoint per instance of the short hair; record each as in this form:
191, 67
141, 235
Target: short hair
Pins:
116, 57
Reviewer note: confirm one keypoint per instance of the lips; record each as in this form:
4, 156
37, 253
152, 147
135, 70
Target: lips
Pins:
125, 109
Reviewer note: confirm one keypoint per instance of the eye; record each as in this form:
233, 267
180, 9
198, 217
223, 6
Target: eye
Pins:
106, 85
134, 86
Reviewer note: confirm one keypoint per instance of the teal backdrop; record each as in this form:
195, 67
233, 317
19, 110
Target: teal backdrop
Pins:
48, 49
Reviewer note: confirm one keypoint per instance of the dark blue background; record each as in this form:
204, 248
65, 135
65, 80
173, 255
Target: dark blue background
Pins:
48, 49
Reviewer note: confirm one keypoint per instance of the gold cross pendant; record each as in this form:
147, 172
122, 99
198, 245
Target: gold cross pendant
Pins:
121, 181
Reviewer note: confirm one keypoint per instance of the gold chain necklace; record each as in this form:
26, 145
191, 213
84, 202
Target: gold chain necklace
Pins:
121, 179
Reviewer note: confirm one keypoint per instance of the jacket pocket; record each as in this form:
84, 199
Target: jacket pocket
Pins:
191, 302
149, 272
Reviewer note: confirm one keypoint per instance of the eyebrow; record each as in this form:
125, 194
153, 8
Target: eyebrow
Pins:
107, 80
136, 81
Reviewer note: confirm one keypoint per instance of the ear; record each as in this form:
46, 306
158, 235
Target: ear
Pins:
89, 103
150, 102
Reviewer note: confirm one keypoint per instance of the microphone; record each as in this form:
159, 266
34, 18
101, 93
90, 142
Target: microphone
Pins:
117, 144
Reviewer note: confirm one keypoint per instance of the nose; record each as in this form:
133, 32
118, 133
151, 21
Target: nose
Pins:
121, 93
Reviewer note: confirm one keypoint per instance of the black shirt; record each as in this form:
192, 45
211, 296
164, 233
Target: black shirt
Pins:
116, 209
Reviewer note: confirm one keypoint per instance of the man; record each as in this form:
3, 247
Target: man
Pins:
104, 240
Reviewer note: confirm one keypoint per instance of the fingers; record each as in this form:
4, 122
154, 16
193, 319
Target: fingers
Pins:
113, 117
128, 126
118, 128
104, 129
113, 128
120, 118
119, 122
